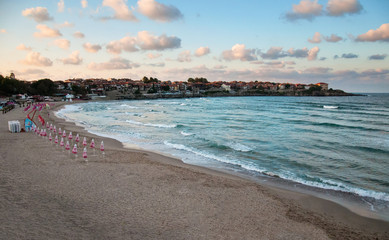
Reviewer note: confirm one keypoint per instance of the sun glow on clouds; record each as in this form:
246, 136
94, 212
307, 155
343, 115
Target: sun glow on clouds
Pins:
46, 32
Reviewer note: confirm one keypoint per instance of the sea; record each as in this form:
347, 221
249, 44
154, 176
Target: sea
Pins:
337, 147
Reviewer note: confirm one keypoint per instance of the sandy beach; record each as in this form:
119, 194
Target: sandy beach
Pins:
47, 193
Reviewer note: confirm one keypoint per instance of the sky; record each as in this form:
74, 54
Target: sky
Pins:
341, 42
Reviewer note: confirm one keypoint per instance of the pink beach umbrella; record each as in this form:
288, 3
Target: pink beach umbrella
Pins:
56, 139
47, 125
64, 133
74, 151
59, 131
77, 138
44, 133
70, 136
41, 133
61, 143
50, 137
84, 143
55, 129
51, 127
92, 143
84, 154
67, 146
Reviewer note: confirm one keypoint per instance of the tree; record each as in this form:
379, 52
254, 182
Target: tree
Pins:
44, 87
198, 80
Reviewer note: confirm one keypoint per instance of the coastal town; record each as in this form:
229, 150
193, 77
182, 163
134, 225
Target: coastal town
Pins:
152, 88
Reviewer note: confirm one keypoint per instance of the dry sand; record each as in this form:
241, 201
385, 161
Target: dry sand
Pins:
45, 193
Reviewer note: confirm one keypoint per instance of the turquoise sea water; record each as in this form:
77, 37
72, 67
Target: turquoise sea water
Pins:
338, 143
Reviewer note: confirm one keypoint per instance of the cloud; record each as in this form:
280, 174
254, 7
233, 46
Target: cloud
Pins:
3, 31
343, 7
274, 53
153, 56
46, 31
39, 14
378, 57
333, 38
66, 24
380, 34
239, 51
30, 71
61, 6
346, 55
92, 48
121, 10
312, 54
23, 47
78, 34
146, 41
62, 43
160, 64
114, 63
158, 11
35, 58
316, 38
306, 9
298, 53
184, 56
84, 3
73, 59
127, 44
201, 51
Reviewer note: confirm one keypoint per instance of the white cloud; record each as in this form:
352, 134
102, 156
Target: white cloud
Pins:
201, 51
274, 53
115, 63
298, 53
306, 9
342, 7
312, 54
146, 41
239, 51
127, 44
184, 56
39, 14
66, 24
158, 11
316, 38
380, 34
73, 59
46, 31
333, 38
122, 12
30, 71
92, 48
61, 6
35, 58
62, 43
23, 47
78, 34
84, 3
153, 56
3, 31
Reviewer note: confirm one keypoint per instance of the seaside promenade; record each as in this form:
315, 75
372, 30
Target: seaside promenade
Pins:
47, 193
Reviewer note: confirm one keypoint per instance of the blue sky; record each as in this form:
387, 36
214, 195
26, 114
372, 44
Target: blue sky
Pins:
342, 42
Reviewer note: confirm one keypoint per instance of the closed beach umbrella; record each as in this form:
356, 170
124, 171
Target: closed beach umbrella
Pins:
67, 146
84, 143
64, 134
56, 139
92, 143
74, 149
55, 129
61, 143
59, 131
77, 138
50, 138
70, 136
84, 154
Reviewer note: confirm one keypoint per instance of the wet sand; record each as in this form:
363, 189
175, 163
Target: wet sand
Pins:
47, 193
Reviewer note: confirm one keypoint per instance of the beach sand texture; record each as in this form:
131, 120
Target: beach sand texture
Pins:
47, 193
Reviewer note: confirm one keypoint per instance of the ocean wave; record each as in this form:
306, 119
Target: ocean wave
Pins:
186, 133
330, 107
152, 124
129, 106
239, 147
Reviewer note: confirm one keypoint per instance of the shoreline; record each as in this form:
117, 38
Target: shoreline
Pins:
303, 215
366, 206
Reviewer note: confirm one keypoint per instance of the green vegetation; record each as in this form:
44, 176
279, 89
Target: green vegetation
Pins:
198, 80
9, 86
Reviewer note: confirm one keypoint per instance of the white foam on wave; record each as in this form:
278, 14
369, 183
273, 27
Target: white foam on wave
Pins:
129, 106
186, 133
239, 147
152, 124
330, 107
